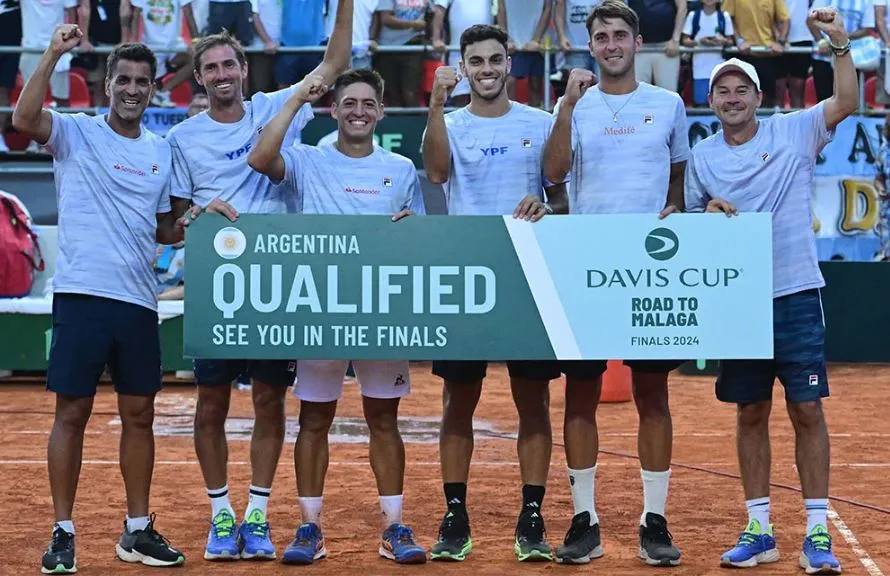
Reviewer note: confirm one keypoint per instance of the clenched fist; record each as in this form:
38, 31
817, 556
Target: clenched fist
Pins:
65, 38
312, 88
447, 78
580, 80
829, 21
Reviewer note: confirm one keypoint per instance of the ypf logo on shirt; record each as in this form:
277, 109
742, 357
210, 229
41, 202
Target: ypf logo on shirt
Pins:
662, 244
230, 243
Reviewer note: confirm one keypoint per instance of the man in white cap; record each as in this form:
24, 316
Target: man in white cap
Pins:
767, 165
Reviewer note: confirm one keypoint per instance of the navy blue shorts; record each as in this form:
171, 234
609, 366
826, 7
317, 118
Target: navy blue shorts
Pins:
527, 65
798, 352
475, 370
223, 372
90, 333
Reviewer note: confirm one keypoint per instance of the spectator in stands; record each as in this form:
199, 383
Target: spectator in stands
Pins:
170, 271
882, 176
162, 31
708, 25
761, 24
102, 25
199, 103
261, 66
10, 35
402, 23
365, 31
859, 21
793, 68
526, 22
570, 21
39, 19
882, 23
302, 24
461, 15
661, 24
234, 16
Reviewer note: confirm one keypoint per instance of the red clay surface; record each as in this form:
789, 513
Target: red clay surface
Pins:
705, 510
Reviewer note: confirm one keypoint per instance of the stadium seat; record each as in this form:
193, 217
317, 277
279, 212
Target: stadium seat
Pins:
809, 93
80, 92
182, 94
871, 92
521, 90
16, 142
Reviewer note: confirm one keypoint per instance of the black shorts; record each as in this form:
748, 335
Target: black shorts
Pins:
223, 372
475, 370
90, 333
236, 17
593, 369
798, 357
796, 65
768, 69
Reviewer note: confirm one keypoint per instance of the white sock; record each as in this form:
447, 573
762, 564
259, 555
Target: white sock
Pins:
817, 513
655, 492
583, 484
257, 502
134, 524
758, 509
391, 507
219, 501
66, 525
310, 509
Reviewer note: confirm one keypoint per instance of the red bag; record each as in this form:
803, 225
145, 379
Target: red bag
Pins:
20, 254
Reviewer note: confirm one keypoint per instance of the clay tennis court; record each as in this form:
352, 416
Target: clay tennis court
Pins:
705, 506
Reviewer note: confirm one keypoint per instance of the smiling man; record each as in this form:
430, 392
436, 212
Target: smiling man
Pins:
625, 144
210, 153
348, 176
488, 156
112, 182
766, 165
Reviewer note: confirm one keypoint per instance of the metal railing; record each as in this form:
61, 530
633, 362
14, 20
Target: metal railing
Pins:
546, 51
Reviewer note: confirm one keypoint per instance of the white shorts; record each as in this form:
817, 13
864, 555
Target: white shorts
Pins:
58, 82
322, 380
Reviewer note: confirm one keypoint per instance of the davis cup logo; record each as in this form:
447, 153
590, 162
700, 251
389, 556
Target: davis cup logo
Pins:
662, 244
230, 243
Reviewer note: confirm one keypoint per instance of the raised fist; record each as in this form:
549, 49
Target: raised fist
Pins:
580, 80
447, 78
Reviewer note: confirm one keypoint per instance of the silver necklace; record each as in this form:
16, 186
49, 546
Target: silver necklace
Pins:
615, 112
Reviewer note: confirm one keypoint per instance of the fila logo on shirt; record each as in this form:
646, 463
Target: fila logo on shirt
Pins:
387, 181
154, 169
764, 156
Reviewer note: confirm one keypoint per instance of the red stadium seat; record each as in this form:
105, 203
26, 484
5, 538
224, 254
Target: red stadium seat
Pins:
80, 92
521, 90
809, 93
182, 94
16, 142
871, 86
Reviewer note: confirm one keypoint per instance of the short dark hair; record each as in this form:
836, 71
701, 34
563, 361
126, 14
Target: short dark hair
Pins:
214, 40
480, 33
614, 9
134, 53
359, 76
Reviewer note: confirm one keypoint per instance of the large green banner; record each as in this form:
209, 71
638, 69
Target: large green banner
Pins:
478, 287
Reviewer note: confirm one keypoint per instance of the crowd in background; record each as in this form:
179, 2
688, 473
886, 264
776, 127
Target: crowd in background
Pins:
762, 30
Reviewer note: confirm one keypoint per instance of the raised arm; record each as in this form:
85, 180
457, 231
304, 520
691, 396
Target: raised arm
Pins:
338, 54
436, 149
438, 28
559, 150
846, 84
266, 156
29, 117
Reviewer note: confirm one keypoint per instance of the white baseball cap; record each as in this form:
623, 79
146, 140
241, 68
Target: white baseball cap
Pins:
734, 65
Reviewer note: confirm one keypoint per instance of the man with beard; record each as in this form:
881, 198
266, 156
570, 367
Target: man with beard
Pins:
458, 151
210, 162
625, 144
348, 176
767, 165
112, 180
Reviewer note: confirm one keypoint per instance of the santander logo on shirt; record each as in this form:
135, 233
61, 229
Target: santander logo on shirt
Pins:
121, 168
369, 191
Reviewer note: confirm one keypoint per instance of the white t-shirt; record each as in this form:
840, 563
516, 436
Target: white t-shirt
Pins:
161, 21
708, 25
109, 189
362, 16
40, 19
772, 172
270, 12
522, 19
623, 147
798, 10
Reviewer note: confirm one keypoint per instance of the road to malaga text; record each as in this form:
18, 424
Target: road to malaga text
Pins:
467, 289
664, 312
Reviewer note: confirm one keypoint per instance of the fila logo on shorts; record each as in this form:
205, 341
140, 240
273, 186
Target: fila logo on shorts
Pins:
400, 380
814, 380
292, 366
